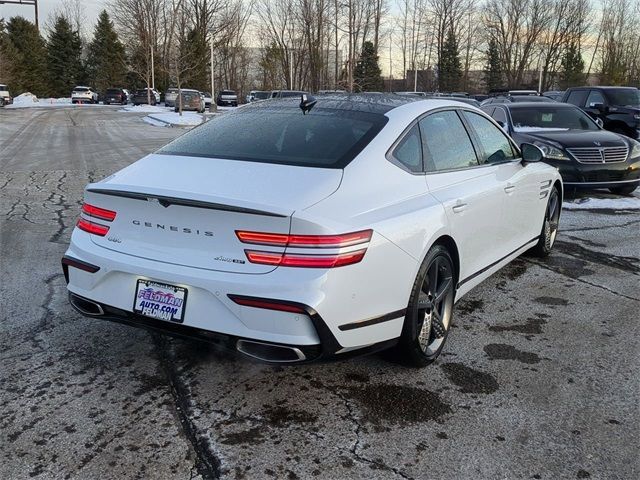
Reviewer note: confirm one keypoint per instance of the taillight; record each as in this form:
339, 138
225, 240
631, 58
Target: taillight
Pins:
305, 241
94, 228
97, 212
305, 260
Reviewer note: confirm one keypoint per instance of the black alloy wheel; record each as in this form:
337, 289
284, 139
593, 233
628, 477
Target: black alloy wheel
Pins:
549, 225
430, 309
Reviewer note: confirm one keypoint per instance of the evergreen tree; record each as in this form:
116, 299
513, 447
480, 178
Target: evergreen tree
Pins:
8, 56
449, 65
106, 56
63, 58
572, 73
195, 59
493, 68
367, 74
27, 50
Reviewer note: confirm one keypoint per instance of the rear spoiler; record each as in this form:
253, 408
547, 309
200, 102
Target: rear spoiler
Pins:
166, 201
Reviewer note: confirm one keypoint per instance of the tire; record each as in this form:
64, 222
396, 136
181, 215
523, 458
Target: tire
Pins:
549, 225
430, 310
626, 190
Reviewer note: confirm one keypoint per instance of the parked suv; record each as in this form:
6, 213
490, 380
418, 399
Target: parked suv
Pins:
170, 97
5, 96
84, 94
140, 97
191, 100
115, 95
617, 107
227, 98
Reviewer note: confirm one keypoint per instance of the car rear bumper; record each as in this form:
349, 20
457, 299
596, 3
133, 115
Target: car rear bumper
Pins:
342, 312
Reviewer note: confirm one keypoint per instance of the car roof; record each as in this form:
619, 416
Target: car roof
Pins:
519, 105
360, 102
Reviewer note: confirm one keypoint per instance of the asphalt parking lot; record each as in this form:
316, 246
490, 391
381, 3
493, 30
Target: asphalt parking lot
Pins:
539, 378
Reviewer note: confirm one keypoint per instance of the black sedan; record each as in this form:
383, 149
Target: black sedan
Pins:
586, 155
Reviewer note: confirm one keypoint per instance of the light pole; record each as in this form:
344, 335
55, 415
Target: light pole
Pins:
213, 106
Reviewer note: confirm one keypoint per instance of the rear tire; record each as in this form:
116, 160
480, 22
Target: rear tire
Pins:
626, 190
430, 310
549, 225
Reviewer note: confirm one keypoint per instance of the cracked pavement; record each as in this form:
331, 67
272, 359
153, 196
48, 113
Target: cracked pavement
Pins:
539, 378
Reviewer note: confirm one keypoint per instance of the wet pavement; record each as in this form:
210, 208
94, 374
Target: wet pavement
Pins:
539, 378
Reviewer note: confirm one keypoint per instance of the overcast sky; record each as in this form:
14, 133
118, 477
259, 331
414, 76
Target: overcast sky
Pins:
46, 7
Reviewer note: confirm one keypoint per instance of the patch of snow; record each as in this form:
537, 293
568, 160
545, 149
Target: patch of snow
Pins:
27, 99
145, 109
188, 119
155, 123
619, 203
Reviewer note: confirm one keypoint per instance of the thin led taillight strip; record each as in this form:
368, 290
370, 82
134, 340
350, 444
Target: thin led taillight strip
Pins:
97, 212
93, 228
305, 261
305, 241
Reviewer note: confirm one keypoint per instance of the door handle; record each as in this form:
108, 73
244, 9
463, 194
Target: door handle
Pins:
509, 188
459, 207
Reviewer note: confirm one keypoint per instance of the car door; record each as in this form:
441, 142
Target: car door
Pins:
520, 188
471, 194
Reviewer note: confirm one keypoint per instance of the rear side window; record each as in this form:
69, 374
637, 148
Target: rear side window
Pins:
409, 151
445, 142
577, 97
328, 138
494, 142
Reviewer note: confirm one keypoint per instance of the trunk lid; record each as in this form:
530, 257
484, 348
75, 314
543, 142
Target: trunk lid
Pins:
185, 210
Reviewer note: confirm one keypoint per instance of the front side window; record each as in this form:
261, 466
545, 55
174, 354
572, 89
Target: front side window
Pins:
499, 115
409, 151
328, 138
594, 97
445, 142
497, 147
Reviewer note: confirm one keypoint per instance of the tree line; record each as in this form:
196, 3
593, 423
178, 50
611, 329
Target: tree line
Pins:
325, 44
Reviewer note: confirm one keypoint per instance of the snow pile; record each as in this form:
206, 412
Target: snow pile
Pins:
145, 109
28, 99
617, 203
188, 119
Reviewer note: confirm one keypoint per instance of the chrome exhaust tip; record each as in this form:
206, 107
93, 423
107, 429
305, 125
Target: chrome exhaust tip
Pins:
86, 307
268, 352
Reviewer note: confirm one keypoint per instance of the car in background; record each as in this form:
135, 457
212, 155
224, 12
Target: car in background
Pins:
115, 95
170, 97
520, 93
207, 98
255, 95
617, 107
330, 92
190, 100
128, 93
467, 100
287, 93
516, 99
143, 96
586, 155
5, 96
81, 94
554, 95
411, 94
257, 231
227, 98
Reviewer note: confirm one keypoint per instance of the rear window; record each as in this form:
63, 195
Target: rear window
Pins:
3, 87
326, 138
80, 89
629, 97
113, 90
261, 95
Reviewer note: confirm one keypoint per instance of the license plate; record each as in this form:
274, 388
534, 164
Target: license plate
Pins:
160, 301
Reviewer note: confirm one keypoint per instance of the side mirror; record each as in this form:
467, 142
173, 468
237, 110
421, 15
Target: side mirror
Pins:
502, 124
531, 153
600, 122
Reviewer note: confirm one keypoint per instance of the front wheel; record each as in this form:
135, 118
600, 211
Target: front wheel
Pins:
626, 190
549, 226
428, 318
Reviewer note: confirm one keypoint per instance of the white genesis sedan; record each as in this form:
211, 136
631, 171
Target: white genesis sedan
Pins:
296, 230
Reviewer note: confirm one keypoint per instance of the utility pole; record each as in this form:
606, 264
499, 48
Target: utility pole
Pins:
153, 73
33, 3
213, 106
